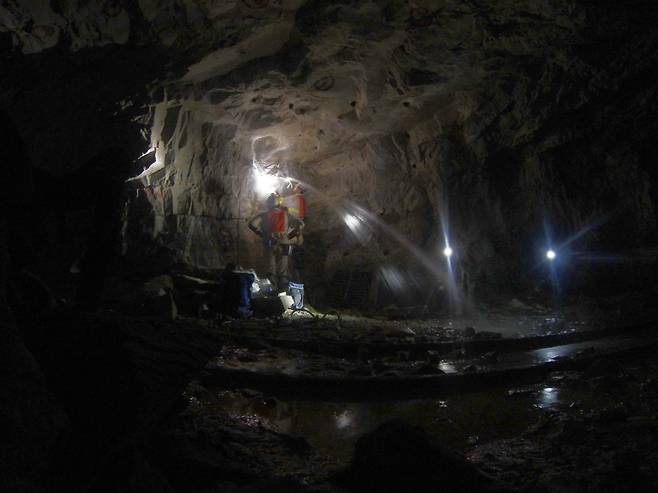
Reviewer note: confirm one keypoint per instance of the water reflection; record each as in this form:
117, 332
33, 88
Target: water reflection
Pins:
332, 428
551, 354
549, 396
344, 419
447, 367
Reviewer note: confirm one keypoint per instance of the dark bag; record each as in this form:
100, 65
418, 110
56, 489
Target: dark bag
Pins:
237, 294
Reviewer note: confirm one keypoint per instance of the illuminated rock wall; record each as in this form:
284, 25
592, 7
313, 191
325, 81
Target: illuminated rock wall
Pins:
490, 124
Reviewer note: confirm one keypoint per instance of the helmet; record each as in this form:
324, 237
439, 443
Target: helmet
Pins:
271, 202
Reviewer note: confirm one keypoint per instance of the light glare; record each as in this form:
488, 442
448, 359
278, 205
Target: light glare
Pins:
550, 255
265, 184
351, 221
447, 251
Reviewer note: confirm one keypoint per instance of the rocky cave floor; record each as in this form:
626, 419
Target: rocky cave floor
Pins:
593, 430
587, 422
521, 397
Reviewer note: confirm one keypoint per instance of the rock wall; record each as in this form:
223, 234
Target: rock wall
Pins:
494, 125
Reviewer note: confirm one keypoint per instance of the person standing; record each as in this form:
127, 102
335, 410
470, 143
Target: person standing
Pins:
271, 226
296, 206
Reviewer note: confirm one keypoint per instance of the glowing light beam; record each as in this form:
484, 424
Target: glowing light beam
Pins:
265, 184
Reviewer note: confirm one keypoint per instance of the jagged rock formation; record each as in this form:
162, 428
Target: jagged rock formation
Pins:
487, 121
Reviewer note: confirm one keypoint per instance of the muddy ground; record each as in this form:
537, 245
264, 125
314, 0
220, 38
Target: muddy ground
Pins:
589, 430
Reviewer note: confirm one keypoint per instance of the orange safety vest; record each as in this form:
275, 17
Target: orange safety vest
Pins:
278, 221
296, 205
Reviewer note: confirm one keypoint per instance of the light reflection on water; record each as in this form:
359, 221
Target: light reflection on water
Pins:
344, 419
549, 396
332, 428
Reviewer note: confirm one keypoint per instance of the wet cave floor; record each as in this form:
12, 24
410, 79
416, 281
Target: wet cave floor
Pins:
551, 399
572, 431
556, 402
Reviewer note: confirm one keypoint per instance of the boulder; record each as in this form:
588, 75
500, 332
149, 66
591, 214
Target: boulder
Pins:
398, 457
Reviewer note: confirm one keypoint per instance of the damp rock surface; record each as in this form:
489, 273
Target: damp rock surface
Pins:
499, 119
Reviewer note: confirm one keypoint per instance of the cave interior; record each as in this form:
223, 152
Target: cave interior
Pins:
328, 246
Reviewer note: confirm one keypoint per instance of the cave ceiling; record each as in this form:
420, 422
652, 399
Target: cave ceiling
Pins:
325, 76
506, 110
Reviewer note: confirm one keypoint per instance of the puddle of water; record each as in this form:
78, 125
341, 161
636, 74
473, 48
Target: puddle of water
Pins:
447, 367
459, 421
332, 428
554, 353
548, 397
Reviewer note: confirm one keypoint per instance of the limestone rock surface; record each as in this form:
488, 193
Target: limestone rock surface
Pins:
492, 123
